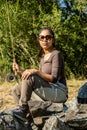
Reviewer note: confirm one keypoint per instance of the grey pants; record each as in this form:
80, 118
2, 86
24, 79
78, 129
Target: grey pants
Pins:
45, 90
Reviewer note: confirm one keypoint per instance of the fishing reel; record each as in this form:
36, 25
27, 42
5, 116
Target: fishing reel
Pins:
10, 77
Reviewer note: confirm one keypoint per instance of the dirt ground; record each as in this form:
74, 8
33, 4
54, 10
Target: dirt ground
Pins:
6, 100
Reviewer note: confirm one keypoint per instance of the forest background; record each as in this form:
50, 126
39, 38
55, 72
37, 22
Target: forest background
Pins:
20, 21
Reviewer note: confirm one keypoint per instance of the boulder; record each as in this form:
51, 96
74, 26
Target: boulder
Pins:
48, 116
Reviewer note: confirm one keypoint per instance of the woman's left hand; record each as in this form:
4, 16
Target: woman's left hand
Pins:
28, 72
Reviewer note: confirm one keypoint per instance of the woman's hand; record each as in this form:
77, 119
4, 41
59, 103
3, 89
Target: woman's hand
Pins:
28, 72
16, 67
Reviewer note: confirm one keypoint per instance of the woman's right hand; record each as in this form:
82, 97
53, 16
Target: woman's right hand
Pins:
16, 68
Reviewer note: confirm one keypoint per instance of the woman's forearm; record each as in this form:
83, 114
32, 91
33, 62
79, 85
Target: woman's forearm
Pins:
45, 76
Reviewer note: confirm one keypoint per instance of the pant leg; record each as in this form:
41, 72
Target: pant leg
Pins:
28, 86
52, 93
42, 88
22, 92
26, 91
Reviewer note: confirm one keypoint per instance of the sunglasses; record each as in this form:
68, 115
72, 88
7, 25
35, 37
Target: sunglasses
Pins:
47, 37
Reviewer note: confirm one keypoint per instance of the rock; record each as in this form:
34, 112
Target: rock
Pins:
53, 123
49, 116
76, 115
55, 107
40, 108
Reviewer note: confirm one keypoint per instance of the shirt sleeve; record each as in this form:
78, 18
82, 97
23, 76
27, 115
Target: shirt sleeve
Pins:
57, 66
40, 65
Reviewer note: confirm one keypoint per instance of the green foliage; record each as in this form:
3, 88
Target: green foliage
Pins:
19, 25
75, 39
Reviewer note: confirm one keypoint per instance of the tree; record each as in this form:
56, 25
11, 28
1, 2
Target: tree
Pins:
19, 25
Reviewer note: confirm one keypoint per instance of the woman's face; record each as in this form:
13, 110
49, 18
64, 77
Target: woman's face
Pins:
46, 40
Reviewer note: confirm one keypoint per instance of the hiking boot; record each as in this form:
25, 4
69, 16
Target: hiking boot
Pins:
21, 112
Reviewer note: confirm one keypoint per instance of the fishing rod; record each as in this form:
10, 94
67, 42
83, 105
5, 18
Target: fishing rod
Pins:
10, 76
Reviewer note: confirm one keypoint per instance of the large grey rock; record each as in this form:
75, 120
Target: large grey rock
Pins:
52, 116
76, 115
53, 123
40, 108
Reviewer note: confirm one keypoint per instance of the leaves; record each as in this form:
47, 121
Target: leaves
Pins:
20, 22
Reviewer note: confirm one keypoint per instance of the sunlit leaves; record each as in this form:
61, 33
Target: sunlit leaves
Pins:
20, 22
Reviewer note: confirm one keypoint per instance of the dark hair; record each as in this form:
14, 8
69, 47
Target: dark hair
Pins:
52, 33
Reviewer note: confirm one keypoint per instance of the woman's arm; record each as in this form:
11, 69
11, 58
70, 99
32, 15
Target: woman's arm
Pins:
43, 75
55, 69
16, 68
47, 77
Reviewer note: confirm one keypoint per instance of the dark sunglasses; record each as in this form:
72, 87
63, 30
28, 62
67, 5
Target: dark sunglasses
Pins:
47, 37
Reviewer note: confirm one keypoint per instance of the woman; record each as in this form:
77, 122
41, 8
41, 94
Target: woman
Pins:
48, 81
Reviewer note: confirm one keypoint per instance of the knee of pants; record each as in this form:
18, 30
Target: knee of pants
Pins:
31, 81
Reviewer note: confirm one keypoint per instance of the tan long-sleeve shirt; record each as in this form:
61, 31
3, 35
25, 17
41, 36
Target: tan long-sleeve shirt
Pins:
54, 65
